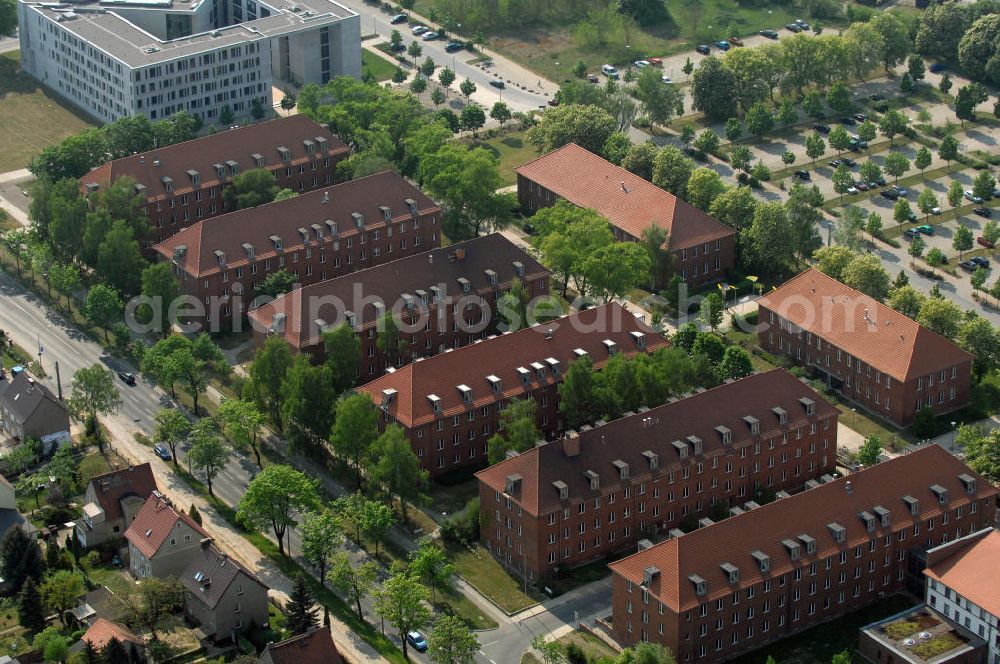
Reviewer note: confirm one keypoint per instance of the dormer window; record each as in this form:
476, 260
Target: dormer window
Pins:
611, 347
794, 550
653, 458
386, 212
303, 235
220, 171
868, 519
466, 392
195, 177
553, 365
408, 301
912, 505
593, 479
969, 482
423, 295
696, 444
258, 160
763, 560
524, 374
940, 492
622, 468
221, 257
562, 488
781, 414
179, 251
491, 277
168, 184
411, 205
809, 405
351, 319
539, 369
731, 571
309, 146
884, 515
753, 423
519, 268
639, 338
317, 232
808, 542
140, 189
331, 226
276, 241
837, 531
512, 483
682, 449
321, 143
388, 396
249, 250
234, 168
580, 353
435, 402
465, 284
495, 383
649, 575
285, 154
700, 585
725, 434
437, 294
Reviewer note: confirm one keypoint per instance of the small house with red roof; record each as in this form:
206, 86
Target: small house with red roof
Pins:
162, 540
111, 503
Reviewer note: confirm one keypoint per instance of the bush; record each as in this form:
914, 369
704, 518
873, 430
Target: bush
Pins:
57, 516
575, 654
92, 560
463, 526
923, 425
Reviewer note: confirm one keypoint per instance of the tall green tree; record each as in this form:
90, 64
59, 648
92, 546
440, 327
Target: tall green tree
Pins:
713, 87
60, 591
301, 608
396, 468
353, 581
209, 452
401, 601
466, 181
307, 403
160, 288
103, 307
119, 262
20, 558
430, 562
242, 423
30, 613
322, 535
520, 430
452, 642
94, 393
587, 126
250, 189
768, 240
267, 374
355, 430
273, 498
576, 393
171, 427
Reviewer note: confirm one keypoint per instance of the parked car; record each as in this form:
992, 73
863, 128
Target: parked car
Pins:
852, 190
822, 128
803, 175
890, 194
398, 18
911, 217
910, 233
417, 640
850, 163
793, 27
593, 78
453, 46
937, 67
935, 210
127, 378
736, 41
982, 261
984, 242
397, 48
656, 62
876, 97
430, 36
723, 45
553, 102
666, 79
982, 212
995, 194
162, 451
862, 185
926, 229
969, 196
848, 121
880, 181
498, 83
639, 64
419, 29
802, 24
902, 191
834, 163
609, 71
969, 265
860, 117
770, 34
857, 144
704, 49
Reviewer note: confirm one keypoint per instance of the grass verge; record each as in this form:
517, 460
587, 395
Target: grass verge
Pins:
378, 66
481, 570
512, 149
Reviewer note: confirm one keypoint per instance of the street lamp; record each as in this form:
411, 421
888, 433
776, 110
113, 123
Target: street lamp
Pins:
854, 418
954, 435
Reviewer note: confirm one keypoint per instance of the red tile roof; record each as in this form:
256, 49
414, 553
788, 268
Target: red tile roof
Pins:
288, 219
202, 154
313, 647
862, 326
111, 488
629, 437
765, 528
388, 283
154, 523
623, 198
501, 356
103, 630
972, 572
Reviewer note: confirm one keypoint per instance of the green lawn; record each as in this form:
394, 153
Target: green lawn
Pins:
592, 647
481, 570
512, 149
31, 117
380, 68
819, 644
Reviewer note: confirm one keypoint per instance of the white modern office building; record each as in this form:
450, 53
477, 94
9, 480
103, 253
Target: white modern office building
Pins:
116, 58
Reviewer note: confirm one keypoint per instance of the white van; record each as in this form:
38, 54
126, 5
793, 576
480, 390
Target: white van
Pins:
609, 71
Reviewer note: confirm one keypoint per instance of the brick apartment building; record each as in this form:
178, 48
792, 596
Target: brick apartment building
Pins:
870, 353
182, 183
449, 404
703, 247
598, 491
757, 577
315, 236
428, 294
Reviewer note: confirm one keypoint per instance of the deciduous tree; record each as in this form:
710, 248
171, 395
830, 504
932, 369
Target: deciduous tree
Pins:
401, 601
209, 452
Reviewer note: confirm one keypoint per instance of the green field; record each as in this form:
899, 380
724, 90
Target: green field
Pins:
31, 117
380, 68
512, 149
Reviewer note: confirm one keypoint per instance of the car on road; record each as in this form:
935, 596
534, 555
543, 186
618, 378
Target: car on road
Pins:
822, 128
770, 34
641, 64
398, 18
862, 185
803, 175
127, 378
969, 196
704, 49
860, 117
723, 45
850, 163
982, 212
162, 451
937, 67
926, 229
419, 29
910, 233
890, 194
453, 46
417, 640
848, 121
498, 83
736, 41
609, 71
852, 189
984, 242
793, 27
835, 163
801, 23
430, 36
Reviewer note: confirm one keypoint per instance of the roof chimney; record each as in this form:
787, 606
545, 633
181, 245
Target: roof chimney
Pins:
460, 254
430, 258
624, 188
326, 197
849, 486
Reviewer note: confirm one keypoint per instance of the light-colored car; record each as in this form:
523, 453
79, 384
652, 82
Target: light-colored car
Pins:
852, 190
972, 197
935, 210
430, 36
641, 63
609, 71
666, 79
419, 29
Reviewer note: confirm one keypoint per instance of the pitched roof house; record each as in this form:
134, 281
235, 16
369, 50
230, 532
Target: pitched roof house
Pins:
223, 596
112, 501
314, 647
29, 410
162, 540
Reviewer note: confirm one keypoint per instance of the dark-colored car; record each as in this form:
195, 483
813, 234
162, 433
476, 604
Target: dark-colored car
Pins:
926, 229
912, 218
890, 194
770, 34
822, 128
982, 212
981, 261
835, 163
553, 102
969, 265
792, 27
857, 145
801, 23
417, 640
397, 48
876, 97
880, 181
162, 451
848, 121
902, 191
399, 18
803, 175
498, 83
850, 163
127, 378
736, 41
593, 78
862, 185
723, 45
910, 233
453, 46
984, 242
860, 117
936, 67
704, 49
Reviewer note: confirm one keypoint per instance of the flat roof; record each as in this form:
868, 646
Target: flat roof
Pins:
102, 27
